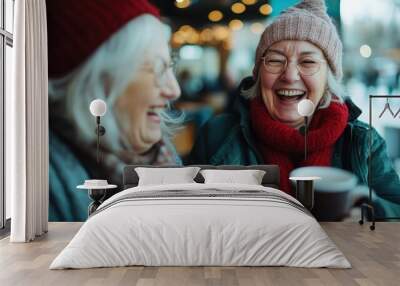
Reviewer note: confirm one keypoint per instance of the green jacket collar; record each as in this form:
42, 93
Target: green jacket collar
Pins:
241, 108
354, 110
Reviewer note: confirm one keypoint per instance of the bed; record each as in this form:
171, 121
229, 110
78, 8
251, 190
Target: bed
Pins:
201, 224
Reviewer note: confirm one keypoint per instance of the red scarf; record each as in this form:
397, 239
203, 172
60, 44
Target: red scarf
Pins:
284, 146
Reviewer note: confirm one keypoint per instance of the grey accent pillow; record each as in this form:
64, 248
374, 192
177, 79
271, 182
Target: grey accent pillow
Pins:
161, 176
248, 177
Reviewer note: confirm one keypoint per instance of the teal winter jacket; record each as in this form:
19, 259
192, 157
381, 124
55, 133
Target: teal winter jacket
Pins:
67, 170
227, 139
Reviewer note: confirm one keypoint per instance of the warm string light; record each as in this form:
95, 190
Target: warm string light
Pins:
206, 35
235, 24
215, 16
249, 2
218, 33
189, 35
257, 28
238, 8
221, 33
182, 3
265, 9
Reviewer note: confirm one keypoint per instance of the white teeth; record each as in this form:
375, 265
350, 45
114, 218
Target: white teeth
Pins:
156, 109
289, 92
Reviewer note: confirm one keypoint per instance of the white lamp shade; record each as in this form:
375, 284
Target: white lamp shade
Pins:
305, 107
98, 107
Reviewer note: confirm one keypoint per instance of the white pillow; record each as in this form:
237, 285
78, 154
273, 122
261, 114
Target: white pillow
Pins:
163, 176
248, 177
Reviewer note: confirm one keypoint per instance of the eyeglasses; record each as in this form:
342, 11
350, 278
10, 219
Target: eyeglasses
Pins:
277, 64
162, 70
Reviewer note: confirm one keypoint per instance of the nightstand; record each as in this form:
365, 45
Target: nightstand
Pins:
305, 190
97, 194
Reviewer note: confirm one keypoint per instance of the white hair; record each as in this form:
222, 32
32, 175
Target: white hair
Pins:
334, 91
106, 74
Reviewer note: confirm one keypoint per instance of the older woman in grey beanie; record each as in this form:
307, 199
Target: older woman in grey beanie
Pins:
299, 56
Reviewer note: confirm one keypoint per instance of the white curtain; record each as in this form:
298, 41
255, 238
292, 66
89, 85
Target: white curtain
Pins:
27, 124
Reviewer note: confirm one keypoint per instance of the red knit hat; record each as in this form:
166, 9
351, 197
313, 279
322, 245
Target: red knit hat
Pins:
77, 28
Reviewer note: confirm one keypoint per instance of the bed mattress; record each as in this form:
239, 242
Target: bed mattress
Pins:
201, 225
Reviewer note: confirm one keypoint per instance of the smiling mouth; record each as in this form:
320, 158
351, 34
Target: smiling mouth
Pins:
290, 94
153, 113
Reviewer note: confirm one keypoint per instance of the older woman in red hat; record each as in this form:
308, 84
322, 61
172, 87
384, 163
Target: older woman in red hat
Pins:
117, 51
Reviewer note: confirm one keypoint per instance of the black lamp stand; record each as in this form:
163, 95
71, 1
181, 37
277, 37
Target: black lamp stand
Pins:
100, 131
305, 136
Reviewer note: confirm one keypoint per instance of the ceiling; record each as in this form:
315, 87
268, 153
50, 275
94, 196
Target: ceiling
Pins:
196, 14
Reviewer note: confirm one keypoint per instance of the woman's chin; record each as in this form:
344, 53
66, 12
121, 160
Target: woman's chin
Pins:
289, 119
145, 143
153, 137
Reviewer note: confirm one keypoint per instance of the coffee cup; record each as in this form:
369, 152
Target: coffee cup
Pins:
332, 193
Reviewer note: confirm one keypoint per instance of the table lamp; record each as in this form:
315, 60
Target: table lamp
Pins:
305, 108
98, 108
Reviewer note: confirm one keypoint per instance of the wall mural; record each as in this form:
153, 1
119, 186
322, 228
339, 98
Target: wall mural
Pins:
115, 99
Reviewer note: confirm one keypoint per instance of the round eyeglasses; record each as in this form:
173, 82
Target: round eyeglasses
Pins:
277, 64
162, 69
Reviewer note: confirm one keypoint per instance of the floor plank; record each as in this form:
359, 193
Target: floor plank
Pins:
374, 255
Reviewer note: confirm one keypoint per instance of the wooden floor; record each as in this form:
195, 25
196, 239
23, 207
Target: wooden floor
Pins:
374, 255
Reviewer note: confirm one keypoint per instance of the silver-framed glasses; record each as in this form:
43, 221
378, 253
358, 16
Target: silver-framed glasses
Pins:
163, 68
276, 64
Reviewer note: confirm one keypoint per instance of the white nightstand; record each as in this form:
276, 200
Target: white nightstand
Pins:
97, 194
305, 190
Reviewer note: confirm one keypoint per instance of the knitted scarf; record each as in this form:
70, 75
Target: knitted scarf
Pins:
112, 161
283, 145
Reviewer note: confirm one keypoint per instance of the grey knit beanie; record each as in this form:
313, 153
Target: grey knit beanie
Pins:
307, 21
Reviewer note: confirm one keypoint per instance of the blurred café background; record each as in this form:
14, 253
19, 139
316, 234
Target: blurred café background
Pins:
215, 42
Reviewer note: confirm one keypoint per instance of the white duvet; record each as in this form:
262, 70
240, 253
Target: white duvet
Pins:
182, 231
